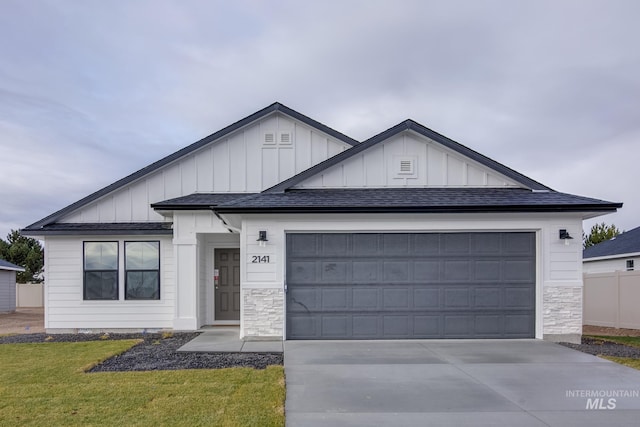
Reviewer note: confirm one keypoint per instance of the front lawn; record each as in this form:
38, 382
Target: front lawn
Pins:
45, 385
629, 341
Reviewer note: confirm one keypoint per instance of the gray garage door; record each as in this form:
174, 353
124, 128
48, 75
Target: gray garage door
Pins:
419, 285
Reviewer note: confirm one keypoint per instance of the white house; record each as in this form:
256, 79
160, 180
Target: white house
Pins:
621, 253
291, 229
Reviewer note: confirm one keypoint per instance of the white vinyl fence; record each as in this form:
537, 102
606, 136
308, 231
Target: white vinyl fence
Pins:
612, 299
29, 295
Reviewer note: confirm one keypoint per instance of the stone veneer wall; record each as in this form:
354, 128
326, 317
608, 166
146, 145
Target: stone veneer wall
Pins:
562, 311
263, 313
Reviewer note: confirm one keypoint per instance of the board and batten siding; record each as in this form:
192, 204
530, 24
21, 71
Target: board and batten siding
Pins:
558, 270
433, 165
66, 308
7, 291
238, 163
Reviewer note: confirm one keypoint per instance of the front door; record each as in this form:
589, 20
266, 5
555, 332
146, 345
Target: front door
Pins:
227, 284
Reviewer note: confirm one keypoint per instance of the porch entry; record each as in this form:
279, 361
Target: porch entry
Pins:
227, 284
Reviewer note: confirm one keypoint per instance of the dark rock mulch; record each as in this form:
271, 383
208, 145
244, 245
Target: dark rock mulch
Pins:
600, 347
156, 352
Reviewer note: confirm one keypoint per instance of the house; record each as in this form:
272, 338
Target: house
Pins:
8, 286
622, 253
290, 229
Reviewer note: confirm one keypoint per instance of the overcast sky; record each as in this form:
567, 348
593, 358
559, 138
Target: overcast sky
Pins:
91, 91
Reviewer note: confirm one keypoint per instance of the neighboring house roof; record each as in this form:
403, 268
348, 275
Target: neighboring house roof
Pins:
6, 265
275, 107
415, 200
409, 125
624, 244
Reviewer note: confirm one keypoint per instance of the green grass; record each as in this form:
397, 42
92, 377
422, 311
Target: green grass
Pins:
46, 385
630, 341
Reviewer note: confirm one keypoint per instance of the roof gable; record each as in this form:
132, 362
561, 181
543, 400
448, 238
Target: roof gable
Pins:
126, 194
626, 243
501, 174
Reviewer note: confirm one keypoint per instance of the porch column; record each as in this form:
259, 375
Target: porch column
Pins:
186, 315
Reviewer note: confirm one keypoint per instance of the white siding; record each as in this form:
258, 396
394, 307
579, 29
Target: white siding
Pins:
610, 265
241, 162
66, 308
558, 265
434, 166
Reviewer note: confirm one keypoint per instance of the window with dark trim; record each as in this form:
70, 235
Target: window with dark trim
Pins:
100, 271
630, 265
142, 270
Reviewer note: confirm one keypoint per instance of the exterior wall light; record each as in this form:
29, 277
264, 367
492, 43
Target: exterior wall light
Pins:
565, 236
262, 238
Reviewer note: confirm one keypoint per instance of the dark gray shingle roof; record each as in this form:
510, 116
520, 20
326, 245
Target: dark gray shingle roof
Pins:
6, 265
94, 229
626, 243
199, 201
416, 200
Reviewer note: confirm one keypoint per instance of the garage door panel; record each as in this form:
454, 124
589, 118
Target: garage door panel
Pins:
487, 297
426, 326
334, 245
365, 244
302, 272
403, 285
396, 271
456, 270
426, 298
518, 297
396, 244
336, 326
366, 326
334, 271
365, 271
396, 298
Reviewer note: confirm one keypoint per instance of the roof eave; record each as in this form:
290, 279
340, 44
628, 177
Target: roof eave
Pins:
418, 209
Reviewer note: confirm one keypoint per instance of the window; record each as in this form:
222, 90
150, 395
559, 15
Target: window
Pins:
100, 270
142, 270
629, 265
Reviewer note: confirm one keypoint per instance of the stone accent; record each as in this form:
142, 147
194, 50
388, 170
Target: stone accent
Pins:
562, 313
263, 313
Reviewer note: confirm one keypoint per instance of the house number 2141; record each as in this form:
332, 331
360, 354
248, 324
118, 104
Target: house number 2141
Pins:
258, 259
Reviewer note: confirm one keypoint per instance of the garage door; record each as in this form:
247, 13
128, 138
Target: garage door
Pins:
417, 285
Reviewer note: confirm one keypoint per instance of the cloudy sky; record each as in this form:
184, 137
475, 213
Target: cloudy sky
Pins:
91, 91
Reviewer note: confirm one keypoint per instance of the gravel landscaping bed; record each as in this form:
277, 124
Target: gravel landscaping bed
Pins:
599, 347
156, 352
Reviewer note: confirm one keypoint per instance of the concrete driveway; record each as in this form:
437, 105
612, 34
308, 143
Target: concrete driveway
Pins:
455, 382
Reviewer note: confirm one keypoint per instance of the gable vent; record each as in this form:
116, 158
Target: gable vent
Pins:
404, 166
285, 138
269, 138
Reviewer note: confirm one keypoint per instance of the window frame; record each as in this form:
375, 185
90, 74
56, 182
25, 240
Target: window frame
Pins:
84, 270
630, 265
127, 270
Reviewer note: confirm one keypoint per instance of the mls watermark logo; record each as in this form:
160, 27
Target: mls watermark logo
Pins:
602, 399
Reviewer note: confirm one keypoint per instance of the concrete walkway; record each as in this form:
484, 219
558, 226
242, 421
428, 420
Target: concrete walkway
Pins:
225, 339
462, 383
